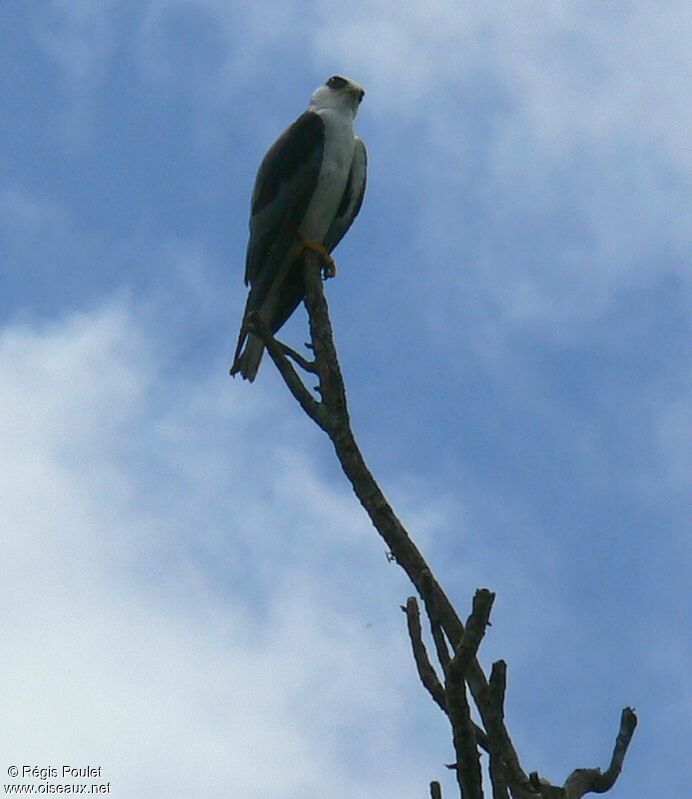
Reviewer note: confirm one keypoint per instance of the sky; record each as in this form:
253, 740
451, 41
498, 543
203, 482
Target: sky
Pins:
190, 595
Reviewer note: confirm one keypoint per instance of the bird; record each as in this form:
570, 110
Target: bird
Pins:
308, 190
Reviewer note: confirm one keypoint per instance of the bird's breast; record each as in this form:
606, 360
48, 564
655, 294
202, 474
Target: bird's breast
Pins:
336, 165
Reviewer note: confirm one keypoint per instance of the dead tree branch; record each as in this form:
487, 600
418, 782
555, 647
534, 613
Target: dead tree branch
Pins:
592, 780
496, 714
426, 672
430, 600
460, 666
468, 758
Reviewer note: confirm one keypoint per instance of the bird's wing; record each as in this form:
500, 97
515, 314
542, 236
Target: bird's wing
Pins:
352, 199
285, 182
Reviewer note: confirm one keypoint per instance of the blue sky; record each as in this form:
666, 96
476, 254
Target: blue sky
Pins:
190, 594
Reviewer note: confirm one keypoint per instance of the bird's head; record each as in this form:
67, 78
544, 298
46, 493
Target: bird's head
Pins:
338, 93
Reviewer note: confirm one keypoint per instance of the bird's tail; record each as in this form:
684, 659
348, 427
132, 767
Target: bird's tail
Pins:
247, 362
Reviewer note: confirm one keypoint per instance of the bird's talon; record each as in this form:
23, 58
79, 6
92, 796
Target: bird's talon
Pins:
328, 267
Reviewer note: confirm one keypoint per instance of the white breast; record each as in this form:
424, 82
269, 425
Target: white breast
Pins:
336, 164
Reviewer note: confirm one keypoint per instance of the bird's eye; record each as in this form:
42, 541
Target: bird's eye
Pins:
336, 82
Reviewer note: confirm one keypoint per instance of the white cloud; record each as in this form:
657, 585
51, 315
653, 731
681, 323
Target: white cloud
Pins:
572, 70
79, 37
168, 546
562, 126
569, 72
175, 609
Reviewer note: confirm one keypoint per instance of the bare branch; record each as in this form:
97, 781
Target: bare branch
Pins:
496, 712
505, 771
468, 758
426, 672
331, 381
295, 385
435, 790
468, 768
385, 521
473, 634
498, 686
498, 778
628, 724
592, 780
331, 414
544, 789
304, 363
430, 600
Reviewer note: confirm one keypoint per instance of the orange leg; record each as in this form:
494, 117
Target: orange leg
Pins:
328, 264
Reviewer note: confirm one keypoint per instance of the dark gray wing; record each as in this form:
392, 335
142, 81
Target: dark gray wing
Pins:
353, 197
285, 182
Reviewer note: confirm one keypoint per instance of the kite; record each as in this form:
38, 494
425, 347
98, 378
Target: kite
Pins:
309, 189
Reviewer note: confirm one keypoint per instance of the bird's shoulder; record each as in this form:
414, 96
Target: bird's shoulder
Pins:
297, 145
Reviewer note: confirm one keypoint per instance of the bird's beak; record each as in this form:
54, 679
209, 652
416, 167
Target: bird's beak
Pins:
360, 93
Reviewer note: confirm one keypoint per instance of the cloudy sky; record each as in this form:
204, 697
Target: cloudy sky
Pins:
191, 597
